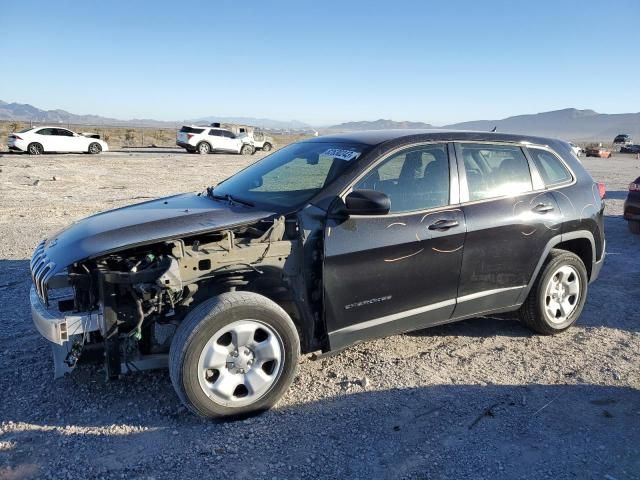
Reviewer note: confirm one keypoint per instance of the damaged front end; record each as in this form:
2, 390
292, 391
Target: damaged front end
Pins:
129, 303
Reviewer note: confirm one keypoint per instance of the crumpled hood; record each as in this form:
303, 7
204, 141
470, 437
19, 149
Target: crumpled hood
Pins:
144, 223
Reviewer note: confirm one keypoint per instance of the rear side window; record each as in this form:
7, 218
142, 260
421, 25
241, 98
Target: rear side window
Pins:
191, 130
215, 133
45, 131
495, 170
550, 167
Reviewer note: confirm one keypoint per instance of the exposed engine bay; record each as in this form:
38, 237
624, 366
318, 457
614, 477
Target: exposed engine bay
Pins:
142, 294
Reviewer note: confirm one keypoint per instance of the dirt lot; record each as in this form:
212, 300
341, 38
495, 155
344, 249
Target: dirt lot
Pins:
478, 399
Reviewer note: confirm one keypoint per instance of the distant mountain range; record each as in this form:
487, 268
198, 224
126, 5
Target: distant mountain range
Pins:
266, 123
28, 113
381, 124
569, 123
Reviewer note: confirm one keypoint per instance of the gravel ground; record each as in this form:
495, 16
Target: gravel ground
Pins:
478, 399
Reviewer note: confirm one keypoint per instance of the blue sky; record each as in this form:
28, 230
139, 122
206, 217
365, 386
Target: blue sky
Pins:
322, 62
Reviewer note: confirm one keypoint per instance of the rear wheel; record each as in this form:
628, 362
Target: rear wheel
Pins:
235, 354
247, 150
95, 148
557, 297
266, 147
634, 226
204, 148
35, 149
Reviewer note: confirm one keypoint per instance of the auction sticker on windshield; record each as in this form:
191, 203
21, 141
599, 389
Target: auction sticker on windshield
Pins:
341, 154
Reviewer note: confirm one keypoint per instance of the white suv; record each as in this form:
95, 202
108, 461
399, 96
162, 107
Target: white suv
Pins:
211, 139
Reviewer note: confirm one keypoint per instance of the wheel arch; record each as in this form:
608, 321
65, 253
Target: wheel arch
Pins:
580, 242
271, 284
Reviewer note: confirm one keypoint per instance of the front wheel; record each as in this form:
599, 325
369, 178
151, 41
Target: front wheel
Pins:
95, 148
634, 226
558, 295
235, 354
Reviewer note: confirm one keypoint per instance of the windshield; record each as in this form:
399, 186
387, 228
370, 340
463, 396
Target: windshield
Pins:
289, 178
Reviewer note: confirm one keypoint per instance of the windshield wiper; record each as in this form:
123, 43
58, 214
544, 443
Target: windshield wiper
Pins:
228, 198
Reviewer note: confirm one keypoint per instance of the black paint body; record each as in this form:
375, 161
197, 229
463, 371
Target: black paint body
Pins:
384, 274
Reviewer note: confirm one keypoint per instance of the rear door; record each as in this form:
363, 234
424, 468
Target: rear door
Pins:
510, 218
396, 272
49, 141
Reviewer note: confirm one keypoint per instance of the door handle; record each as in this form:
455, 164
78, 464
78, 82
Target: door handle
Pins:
443, 225
542, 208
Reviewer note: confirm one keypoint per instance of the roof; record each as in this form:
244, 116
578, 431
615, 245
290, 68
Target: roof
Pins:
376, 137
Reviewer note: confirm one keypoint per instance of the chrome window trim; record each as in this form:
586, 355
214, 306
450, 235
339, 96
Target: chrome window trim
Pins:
464, 192
454, 182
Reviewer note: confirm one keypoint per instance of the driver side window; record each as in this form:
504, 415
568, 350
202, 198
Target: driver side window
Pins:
413, 179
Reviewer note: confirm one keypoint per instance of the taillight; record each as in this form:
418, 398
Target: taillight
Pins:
189, 135
14, 137
634, 187
602, 190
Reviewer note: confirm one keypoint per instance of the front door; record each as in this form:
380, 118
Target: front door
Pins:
396, 272
67, 142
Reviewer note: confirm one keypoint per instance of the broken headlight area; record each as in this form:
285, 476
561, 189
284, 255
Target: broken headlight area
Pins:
132, 301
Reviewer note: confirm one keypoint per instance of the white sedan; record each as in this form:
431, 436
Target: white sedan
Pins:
37, 140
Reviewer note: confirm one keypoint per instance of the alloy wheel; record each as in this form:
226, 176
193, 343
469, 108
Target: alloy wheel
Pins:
562, 294
240, 363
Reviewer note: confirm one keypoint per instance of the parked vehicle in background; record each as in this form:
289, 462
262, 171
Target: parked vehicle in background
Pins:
630, 149
326, 242
39, 140
600, 152
261, 141
576, 149
622, 139
632, 207
203, 140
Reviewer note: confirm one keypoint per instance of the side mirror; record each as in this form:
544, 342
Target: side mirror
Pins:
366, 202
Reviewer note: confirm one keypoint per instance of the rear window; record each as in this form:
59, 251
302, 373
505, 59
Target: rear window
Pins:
191, 130
550, 167
25, 130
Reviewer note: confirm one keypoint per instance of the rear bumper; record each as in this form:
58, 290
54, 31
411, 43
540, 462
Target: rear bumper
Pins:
185, 145
596, 267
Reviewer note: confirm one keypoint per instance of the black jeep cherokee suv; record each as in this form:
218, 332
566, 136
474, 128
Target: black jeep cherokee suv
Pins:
324, 243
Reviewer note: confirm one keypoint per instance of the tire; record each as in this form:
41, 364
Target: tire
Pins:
634, 226
35, 149
561, 269
203, 148
208, 330
247, 150
267, 147
95, 148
